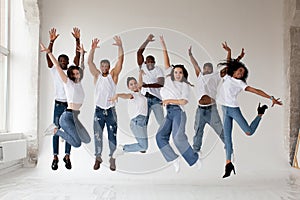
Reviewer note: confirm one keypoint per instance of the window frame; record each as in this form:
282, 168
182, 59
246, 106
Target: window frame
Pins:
4, 50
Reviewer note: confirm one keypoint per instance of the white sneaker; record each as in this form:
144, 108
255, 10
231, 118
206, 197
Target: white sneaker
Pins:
176, 164
118, 152
50, 129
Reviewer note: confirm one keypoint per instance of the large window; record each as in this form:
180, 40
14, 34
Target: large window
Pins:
4, 53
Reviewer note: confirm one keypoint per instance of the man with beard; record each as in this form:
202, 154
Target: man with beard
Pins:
105, 112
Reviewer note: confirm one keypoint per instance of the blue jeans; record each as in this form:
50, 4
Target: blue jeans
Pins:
155, 105
59, 108
139, 129
174, 123
207, 115
230, 113
73, 131
102, 117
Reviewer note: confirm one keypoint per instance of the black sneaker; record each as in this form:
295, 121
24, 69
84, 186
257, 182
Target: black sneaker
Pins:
68, 164
261, 110
54, 165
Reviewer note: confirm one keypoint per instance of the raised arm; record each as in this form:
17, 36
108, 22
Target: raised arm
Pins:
194, 62
165, 52
140, 57
81, 51
140, 81
226, 47
118, 67
263, 94
241, 55
92, 67
52, 36
55, 62
76, 35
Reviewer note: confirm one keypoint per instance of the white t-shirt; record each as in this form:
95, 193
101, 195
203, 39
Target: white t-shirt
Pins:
208, 84
60, 94
104, 91
229, 90
149, 77
137, 105
74, 92
175, 90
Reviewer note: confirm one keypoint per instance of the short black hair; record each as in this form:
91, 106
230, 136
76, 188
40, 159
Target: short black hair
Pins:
63, 56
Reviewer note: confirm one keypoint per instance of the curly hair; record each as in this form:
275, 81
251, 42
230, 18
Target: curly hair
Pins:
232, 66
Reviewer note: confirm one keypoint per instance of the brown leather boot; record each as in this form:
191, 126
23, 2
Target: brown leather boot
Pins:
98, 161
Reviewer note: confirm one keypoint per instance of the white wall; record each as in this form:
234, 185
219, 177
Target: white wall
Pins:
255, 25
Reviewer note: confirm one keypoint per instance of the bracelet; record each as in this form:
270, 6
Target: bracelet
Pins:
271, 98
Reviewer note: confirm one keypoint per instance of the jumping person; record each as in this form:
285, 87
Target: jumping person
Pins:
72, 130
153, 78
233, 83
60, 104
105, 112
175, 95
137, 110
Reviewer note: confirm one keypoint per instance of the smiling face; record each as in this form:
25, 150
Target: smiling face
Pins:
63, 62
207, 69
239, 73
75, 75
178, 74
150, 62
104, 68
133, 86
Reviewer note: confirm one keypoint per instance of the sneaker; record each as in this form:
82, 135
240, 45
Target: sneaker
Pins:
112, 162
54, 165
143, 151
50, 129
261, 110
118, 152
98, 161
176, 164
68, 164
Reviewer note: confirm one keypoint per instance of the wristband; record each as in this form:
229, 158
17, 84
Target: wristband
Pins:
271, 98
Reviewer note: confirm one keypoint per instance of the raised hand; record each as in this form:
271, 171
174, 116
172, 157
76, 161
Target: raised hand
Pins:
76, 33
95, 43
43, 48
226, 47
118, 41
150, 38
241, 55
190, 51
53, 35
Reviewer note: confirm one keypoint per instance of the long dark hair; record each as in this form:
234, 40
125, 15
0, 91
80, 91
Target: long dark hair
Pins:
232, 66
185, 73
70, 72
